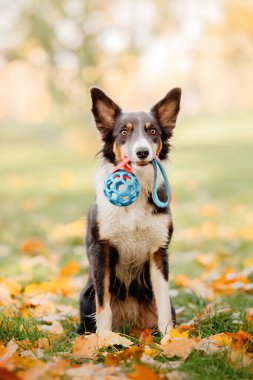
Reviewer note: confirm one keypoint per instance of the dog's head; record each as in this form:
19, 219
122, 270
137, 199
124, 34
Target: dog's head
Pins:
139, 135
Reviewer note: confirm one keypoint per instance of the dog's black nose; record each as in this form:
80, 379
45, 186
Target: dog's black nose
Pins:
142, 153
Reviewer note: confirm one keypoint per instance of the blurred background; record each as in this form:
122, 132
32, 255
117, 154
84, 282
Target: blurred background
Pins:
52, 52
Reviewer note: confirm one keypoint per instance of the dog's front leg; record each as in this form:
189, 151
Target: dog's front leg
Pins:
160, 285
101, 277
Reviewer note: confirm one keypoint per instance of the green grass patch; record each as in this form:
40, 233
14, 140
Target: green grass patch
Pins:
212, 367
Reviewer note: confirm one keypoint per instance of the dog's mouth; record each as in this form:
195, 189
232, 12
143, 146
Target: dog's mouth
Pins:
142, 163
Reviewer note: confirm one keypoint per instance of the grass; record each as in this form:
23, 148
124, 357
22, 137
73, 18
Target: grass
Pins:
47, 180
212, 367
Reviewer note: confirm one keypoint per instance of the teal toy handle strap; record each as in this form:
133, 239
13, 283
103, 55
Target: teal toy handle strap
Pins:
157, 163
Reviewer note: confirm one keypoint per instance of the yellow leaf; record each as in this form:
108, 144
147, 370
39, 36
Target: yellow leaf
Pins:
60, 285
215, 342
248, 262
246, 233
208, 261
34, 289
67, 231
177, 334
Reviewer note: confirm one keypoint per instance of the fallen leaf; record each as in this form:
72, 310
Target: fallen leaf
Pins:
248, 262
142, 372
9, 350
70, 269
91, 371
5, 374
131, 352
32, 246
88, 345
5, 296
208, 261
174, 334
249, 315
67, 231
35, 353
41, 370
13, 287
59, 285
146, 337
246, 233
195, 284
54, 328
214, 343
43, 343
180, 347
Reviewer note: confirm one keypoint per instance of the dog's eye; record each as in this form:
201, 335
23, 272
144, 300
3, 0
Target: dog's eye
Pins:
124, 132
152, 131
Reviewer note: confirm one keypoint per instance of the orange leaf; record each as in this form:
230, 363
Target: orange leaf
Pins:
43, 343
88, 345
13, 287
249, 315
146, 337
132, 352
32, 246
59, 285
242, 338
142, 372
70, 269
180, 347
5, 374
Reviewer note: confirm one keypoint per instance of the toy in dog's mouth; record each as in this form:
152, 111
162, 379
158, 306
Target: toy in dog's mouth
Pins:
122, 187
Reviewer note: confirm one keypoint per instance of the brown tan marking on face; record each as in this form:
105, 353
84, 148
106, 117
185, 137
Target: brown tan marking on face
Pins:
117, 152
147, 125
129, 126
159, 148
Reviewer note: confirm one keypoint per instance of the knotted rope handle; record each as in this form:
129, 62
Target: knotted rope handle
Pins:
156, 162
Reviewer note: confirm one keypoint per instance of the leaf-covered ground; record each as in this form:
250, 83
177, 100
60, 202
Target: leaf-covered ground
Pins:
46, 189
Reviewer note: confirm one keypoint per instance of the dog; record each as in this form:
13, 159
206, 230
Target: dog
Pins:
127, 247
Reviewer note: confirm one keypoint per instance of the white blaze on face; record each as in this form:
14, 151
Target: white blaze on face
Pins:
141, 143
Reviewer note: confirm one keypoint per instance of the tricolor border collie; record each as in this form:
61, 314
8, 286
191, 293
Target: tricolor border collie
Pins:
127, 247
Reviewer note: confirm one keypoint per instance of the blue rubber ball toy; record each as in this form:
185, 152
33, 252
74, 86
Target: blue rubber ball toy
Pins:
121, 188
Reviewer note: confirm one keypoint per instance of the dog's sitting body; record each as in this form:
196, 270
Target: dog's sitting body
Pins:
127, 246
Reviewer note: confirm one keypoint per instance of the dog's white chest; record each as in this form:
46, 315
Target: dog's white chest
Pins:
135, 231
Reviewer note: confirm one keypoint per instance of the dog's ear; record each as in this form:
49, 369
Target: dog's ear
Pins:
167, 109
104, 109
